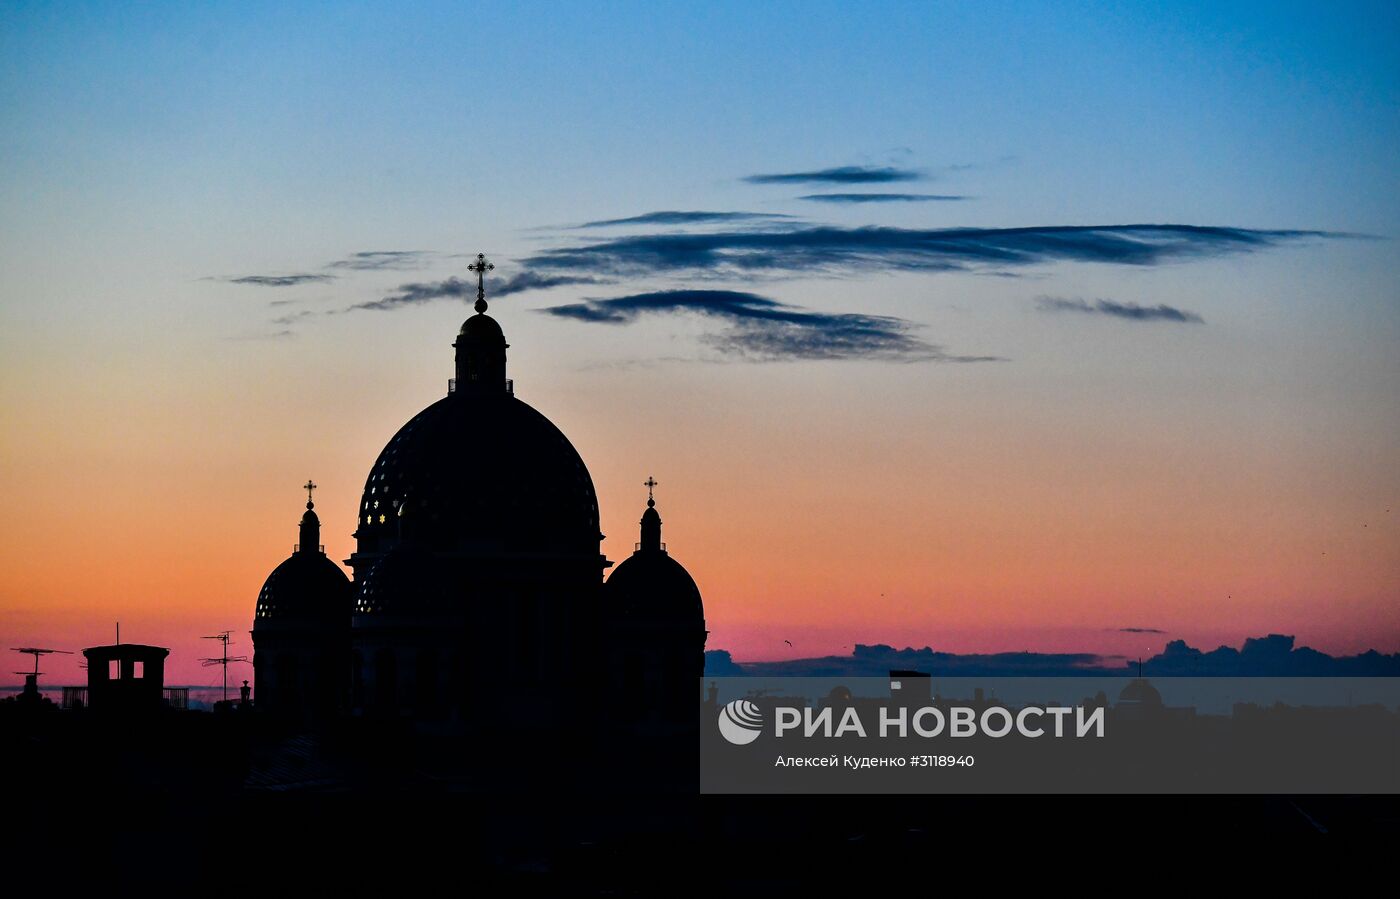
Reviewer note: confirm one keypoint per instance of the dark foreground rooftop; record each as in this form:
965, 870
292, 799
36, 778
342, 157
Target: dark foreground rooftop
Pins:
219, 805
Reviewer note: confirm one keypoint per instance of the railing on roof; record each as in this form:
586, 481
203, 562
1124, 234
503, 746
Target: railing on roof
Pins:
452, 386
662, 547
296, 547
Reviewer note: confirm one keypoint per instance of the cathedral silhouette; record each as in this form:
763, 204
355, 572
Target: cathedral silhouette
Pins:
479, 604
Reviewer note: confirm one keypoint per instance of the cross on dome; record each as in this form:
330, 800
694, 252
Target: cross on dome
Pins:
481, 267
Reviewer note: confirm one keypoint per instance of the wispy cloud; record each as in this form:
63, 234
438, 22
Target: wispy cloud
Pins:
762, 329
455, 288
675, 217
283, 334
280, 280
844, 174
292, 317
826, 249
1140, 630
884, 198
1115, 309
381, 260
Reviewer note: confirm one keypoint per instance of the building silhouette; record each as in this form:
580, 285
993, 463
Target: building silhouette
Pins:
126, 678
478, 602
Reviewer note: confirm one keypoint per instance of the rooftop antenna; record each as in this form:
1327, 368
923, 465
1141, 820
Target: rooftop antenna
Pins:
36, 652
223, 660
1139, 667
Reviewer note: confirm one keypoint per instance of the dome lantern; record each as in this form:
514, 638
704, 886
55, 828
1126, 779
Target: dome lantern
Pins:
310, 523
481, 345
651, 522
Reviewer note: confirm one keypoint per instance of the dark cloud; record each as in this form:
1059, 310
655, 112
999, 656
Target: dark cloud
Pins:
379, 260
823, 249
719, 663
529, 280
877, 660
1271, 656
458, 289
683, 218
845, 174
1130, 311
1140, 630
762, 329
417, 294
280, 280
884, 198
1275, 655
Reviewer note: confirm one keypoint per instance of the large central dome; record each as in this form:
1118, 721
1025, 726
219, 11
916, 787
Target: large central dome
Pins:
481, 471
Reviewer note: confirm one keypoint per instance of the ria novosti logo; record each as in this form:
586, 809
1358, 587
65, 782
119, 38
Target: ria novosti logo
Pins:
740, 722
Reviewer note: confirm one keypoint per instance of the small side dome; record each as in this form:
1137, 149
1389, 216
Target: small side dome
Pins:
308, 587
653, 587
1140, 692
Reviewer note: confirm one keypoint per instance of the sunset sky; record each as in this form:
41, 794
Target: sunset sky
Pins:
227, 233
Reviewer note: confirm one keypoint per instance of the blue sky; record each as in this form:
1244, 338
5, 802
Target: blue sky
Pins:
362, 118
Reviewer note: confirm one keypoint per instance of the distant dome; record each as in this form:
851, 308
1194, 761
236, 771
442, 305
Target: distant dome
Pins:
482, 471
653, 587
308, 586
1141, 692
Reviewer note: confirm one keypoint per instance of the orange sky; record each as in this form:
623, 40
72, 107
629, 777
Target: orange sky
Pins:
970, 508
